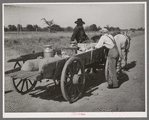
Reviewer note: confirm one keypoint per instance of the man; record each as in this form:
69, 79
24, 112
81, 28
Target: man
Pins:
79, 33
108, 41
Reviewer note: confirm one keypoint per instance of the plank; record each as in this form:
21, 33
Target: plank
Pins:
26, 57
12, 71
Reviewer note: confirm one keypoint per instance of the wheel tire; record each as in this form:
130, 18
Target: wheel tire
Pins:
107, 70
72, 89
19, 85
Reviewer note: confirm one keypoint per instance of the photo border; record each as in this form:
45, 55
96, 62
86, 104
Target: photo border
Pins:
64, 115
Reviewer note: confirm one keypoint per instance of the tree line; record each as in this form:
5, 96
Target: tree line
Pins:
55, 28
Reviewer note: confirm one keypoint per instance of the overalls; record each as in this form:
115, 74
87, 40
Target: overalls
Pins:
113, 56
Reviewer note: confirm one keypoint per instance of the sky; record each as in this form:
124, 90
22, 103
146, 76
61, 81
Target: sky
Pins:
123, 15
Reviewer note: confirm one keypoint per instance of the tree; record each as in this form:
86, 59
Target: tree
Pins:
12, 28
107, 27
93, 27
29, 27
141, 29
87, 28
69, 28
49, 23
55, 28
19, 27
99, 28
5, 29
35, 27
132, 29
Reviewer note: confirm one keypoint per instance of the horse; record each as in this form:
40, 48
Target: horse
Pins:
125, 39
128, 39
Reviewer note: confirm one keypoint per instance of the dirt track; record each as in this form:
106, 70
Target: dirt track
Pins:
97, 97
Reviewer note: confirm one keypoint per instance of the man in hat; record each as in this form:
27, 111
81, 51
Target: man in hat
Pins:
79, 33
108, 41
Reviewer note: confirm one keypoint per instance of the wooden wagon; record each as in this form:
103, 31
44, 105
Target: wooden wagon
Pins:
69, 71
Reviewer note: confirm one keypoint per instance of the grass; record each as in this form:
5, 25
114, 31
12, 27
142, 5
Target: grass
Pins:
27, 42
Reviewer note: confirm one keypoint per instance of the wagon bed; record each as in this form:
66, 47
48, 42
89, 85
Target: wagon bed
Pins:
69, 71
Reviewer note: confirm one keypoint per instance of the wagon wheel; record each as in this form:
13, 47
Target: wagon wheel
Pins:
17, 64
107, 71
23, 86
72, 79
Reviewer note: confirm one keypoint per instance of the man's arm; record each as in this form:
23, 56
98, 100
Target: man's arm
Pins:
100, 42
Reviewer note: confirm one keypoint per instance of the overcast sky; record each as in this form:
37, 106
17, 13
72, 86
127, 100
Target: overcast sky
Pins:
122, 15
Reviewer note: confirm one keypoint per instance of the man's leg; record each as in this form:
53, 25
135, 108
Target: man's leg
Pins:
112, 72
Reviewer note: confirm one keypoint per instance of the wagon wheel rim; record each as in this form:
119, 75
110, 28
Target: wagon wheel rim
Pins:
73, 79
23, 86
107, 70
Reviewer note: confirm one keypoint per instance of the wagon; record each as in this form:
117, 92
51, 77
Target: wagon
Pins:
69, 72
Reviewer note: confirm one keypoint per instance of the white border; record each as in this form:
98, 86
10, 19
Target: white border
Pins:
79, 114
77, 3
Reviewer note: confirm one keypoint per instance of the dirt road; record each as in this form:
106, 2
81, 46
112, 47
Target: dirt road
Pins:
97, 97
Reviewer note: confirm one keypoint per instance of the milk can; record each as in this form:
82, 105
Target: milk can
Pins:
48, 51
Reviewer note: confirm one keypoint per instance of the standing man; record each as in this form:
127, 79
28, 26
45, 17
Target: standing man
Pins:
108, 41
79, 33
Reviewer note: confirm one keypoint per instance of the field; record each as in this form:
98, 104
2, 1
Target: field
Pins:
27, 42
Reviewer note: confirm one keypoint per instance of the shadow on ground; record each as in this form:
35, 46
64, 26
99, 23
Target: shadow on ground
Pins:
122, 76
93, 81
52, 92
129, 66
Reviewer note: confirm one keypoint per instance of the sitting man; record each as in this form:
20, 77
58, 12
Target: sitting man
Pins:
79, 33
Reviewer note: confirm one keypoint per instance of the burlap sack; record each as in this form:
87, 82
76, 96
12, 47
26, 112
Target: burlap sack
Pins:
38, 64
31, 65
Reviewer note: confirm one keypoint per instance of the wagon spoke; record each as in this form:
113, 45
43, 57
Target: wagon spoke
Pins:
78, 67
30, 82
69, 76
80, 76
74, 91
22, 86
70, 89
68, 83
77, 88
19, 82
14, 78
27, 85
70, 70
74, 66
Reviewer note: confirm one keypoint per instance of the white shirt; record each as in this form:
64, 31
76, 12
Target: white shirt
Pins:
105, 41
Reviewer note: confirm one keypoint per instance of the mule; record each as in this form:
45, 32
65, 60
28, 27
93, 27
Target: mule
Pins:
125, 39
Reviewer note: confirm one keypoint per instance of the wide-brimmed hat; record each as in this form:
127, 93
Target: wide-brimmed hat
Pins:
104, 30
79, 20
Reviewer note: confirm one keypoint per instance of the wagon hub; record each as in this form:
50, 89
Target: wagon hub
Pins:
76, 79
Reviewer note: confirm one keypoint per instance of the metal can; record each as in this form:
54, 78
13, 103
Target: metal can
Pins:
48, 51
